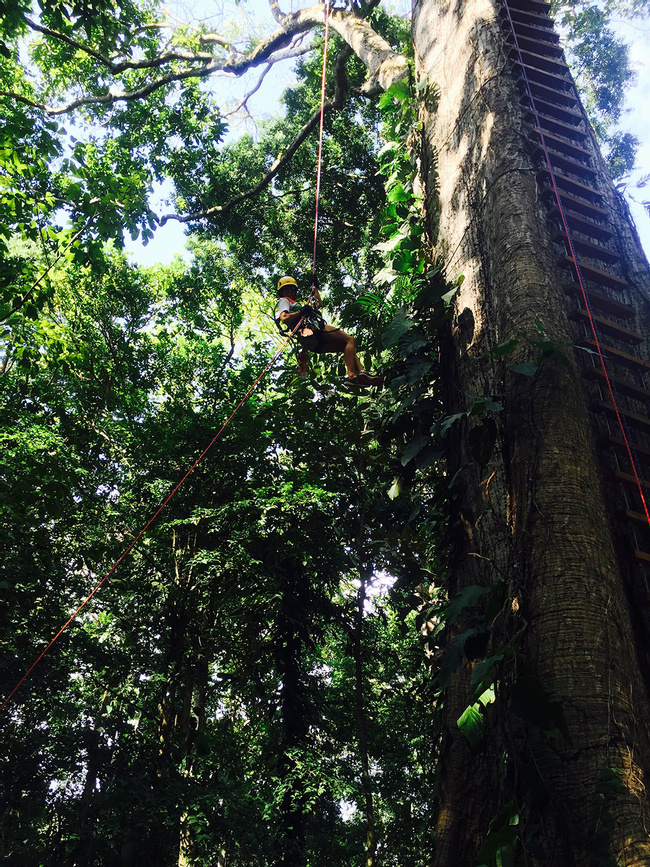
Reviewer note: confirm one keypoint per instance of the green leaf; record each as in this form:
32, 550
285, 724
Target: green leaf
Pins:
468, 597
398, 194
497, 840
448, 296
470, 723
413, 448
395, 489
504, 348
526, 368
453, 656
400, 324
385, 276
390, 244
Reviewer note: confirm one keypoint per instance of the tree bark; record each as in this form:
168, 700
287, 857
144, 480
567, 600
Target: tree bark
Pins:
535, 515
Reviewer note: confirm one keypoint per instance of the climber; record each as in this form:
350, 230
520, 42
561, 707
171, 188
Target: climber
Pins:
315, 334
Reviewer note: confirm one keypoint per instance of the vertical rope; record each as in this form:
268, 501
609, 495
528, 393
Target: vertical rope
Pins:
585, 295
320, 130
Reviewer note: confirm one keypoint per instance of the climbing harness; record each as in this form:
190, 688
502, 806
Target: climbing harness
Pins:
311, 327
312, 315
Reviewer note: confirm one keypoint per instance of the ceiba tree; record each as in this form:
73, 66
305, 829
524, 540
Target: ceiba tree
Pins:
532, 517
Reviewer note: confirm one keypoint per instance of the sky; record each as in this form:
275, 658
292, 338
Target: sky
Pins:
169, 241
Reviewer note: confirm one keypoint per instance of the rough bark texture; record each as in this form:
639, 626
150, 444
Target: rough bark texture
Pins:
535, 515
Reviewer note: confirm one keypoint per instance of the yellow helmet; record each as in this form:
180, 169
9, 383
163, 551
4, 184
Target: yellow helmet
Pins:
286, 281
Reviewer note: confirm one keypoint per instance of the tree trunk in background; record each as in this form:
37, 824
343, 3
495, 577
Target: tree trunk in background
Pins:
362, 736
535, 514
290, 630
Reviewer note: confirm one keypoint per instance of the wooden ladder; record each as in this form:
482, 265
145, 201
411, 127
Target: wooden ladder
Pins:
554, 115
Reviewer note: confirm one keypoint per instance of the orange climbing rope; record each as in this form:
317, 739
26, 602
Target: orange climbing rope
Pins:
320, 130
241, 403
585, 295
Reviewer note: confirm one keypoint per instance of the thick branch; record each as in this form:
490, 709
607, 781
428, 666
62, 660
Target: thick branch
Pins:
281, 161
384, 65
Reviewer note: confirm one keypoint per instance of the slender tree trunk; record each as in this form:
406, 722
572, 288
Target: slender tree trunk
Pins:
359, 707
290, 627
534, 515
84, 848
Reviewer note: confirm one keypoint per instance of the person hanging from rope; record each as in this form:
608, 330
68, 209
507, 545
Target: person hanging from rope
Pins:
315, 334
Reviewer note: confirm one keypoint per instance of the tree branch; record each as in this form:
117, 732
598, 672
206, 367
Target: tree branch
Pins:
281, 161
384, 65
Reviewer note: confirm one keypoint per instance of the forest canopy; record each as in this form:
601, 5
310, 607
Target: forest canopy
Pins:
258, 682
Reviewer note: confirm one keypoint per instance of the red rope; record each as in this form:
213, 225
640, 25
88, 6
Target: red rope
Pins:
150, 521
320, 129
581, 283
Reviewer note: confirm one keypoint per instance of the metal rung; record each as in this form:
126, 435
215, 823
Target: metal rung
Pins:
534, 31
537, 46
569, 131
550, 94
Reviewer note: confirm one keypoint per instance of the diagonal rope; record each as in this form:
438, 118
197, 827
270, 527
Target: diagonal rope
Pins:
241, 403
320, 130
151, 520
585, 295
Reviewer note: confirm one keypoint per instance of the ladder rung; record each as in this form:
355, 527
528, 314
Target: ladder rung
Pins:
539, 61
622, 386
639, 421
565, 163
617, 355
582, 224
596, 275
537, 46
532, 5
628, 480
607, 326
559, 98
560, 112
568, 130
573, 187
541, 20
613, 441
637, 517
596, 251
560, 144
534, 31
588, 209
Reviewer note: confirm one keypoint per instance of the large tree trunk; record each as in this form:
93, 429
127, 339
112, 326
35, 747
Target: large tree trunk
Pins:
535, 514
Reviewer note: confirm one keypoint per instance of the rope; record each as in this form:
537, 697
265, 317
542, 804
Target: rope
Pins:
581, 282
241, 403
320, 130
